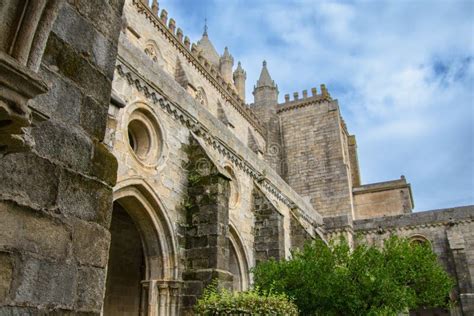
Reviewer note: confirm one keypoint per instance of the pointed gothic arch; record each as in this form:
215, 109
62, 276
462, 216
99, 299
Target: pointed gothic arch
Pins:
159, 287
238, 260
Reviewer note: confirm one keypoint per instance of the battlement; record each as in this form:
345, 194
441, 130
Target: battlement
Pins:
194, 55
298, 102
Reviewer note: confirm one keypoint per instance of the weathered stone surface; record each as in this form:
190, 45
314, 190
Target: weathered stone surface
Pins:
84, 198
104, 164
58, 143
41, 281
63, 100
22, 174
65, 175
72, 65
90, 298
19, 230
93, 45
6, 275
93, 118
90, 243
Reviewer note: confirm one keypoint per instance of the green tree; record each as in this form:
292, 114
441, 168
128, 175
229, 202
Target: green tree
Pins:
335, 280
216, 301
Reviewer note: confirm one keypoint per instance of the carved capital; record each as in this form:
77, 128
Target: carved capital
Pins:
18, 85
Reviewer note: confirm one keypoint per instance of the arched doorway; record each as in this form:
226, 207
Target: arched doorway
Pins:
142, 269
126, 266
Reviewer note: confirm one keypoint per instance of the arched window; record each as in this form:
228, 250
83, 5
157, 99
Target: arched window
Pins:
238, 264
151, 49
419, 240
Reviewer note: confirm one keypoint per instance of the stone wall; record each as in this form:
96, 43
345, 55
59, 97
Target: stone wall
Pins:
314, 155
56, 197
382, 199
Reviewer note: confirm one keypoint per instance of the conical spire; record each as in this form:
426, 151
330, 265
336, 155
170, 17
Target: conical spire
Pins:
266, 91
239, 69
226, 53
265, 80
208, 50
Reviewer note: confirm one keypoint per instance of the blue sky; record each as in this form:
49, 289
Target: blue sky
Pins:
403, 72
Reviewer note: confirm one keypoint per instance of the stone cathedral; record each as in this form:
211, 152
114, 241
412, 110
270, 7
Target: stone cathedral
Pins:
132, 172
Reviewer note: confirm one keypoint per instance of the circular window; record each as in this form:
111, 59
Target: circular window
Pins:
234, 188
139, 138
144, 137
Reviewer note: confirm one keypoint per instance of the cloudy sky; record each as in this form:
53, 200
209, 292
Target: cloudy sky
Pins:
403, 72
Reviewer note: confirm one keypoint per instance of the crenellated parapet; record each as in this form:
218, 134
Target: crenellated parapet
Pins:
298, 102
195, 56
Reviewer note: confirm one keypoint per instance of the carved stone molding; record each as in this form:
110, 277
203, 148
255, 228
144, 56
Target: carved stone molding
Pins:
18, 84
25, 31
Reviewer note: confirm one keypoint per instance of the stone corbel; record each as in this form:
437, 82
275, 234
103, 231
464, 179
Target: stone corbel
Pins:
18, 85
20, 58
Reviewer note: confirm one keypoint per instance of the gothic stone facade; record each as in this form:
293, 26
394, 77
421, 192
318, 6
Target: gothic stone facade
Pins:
132, 172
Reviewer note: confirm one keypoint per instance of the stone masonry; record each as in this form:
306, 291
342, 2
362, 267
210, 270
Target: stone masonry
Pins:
133, 173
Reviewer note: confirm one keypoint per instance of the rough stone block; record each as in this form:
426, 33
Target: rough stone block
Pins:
93, 118
89, 298
104, 164
97, 48
63, 144
84, 198
41, 281
62, 101
90, 243
27, 230
22, 174
77, 68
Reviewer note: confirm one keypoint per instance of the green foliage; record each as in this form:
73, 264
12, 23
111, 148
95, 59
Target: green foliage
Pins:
253, 302
365, 281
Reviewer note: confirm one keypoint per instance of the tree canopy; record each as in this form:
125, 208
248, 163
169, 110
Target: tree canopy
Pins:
367, 280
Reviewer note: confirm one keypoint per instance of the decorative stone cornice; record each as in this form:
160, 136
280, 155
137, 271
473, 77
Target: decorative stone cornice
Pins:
193, 56
397, 229
182, 116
